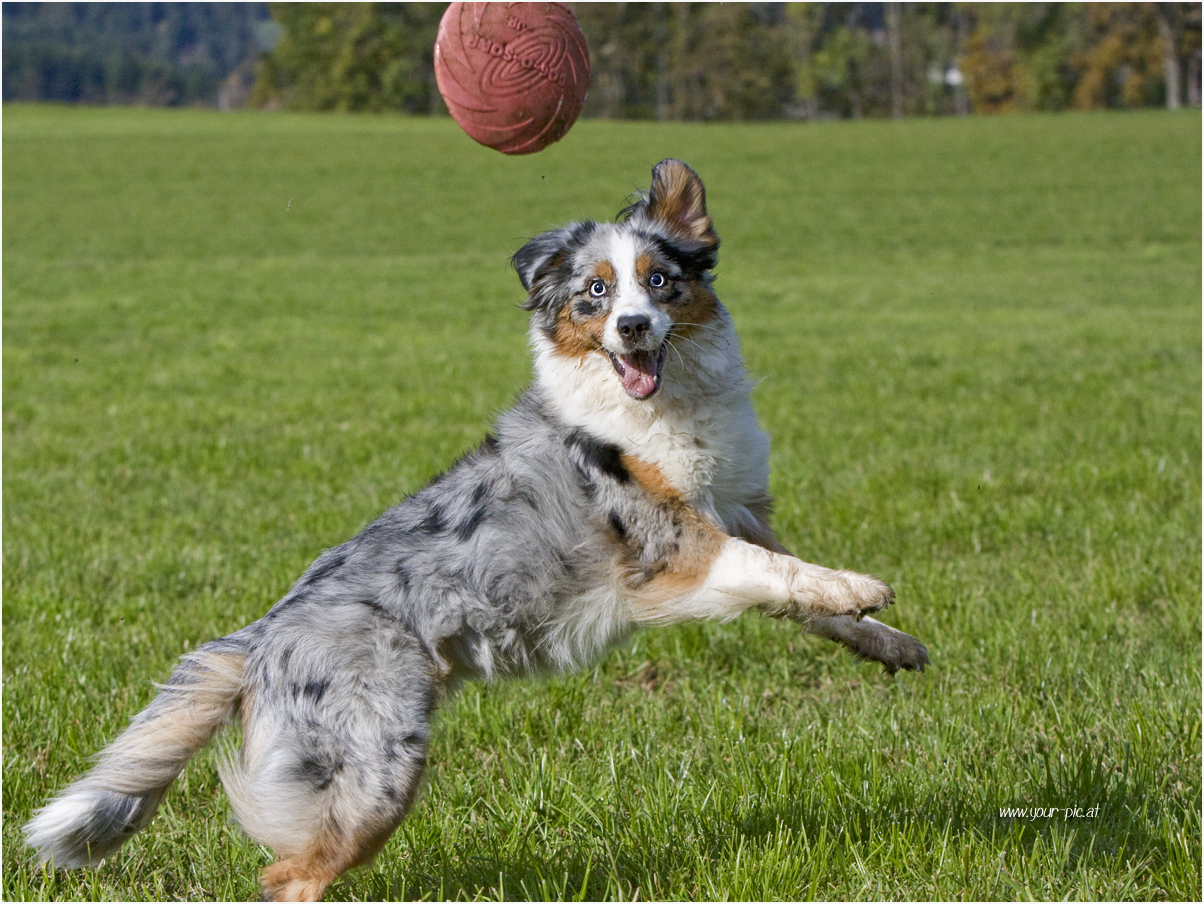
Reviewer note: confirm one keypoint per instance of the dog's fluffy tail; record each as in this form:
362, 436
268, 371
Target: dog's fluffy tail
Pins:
95, 815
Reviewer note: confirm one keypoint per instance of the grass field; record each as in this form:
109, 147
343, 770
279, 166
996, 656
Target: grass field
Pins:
230, 341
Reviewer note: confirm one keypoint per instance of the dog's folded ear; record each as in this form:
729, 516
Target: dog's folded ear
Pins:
537, 257
676, 206
544, 265
679, 201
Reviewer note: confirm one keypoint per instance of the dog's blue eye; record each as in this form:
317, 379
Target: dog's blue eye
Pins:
597, 288
656, 280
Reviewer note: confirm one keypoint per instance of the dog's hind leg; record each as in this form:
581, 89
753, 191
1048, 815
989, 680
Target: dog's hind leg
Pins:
327, 801
872, 640
335, 732
306, 876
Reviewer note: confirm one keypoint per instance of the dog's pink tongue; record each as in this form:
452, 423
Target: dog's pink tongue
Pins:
639, 377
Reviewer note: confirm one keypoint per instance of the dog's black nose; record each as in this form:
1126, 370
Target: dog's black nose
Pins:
632, 326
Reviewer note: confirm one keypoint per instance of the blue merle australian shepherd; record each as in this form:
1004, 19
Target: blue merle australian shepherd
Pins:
627, 487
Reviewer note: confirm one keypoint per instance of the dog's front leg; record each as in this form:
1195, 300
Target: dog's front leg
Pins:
736, 576
783, 586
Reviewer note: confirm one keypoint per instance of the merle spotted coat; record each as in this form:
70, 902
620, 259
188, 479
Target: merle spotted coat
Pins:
627, 487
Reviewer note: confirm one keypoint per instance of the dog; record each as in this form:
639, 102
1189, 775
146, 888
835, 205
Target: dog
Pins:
626, 487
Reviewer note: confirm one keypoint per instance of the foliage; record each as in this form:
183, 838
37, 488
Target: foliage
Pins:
230, 341
710, 61
157, 54
1050, 56
352, 56
687, 61
665, 61
1122, 66
1019, 57
839, 69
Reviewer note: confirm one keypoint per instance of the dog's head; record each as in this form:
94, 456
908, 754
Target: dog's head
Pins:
627, 290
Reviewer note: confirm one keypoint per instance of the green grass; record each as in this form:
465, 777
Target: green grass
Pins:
231, 340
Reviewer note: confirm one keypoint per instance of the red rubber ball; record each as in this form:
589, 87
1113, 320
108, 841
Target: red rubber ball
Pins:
513, 75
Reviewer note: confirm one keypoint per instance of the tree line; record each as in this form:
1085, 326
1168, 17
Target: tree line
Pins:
154, 54
667, 61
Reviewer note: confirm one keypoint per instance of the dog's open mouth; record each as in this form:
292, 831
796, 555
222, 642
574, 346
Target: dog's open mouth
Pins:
640, 372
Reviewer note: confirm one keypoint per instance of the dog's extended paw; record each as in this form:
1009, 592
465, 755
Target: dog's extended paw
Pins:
862, 594
906, 653
869, 639
818, 592
895, 650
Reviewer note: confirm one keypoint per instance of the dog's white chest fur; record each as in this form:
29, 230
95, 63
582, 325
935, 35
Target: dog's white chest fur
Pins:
699, 430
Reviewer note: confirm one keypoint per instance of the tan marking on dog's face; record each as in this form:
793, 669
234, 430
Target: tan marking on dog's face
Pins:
645, 266
579, 333
696, 307
605, 272
576, 337
690, 304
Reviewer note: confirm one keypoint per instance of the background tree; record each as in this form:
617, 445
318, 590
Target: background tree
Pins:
352, 56
740, 62
1170, 31
692, 61
1018, 55
1051, 56
804, 22
1122, 66
623, 48
696, 61
159, 54
841, 63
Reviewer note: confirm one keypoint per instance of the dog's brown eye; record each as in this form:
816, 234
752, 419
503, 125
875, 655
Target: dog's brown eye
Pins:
657, 280
597, 288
